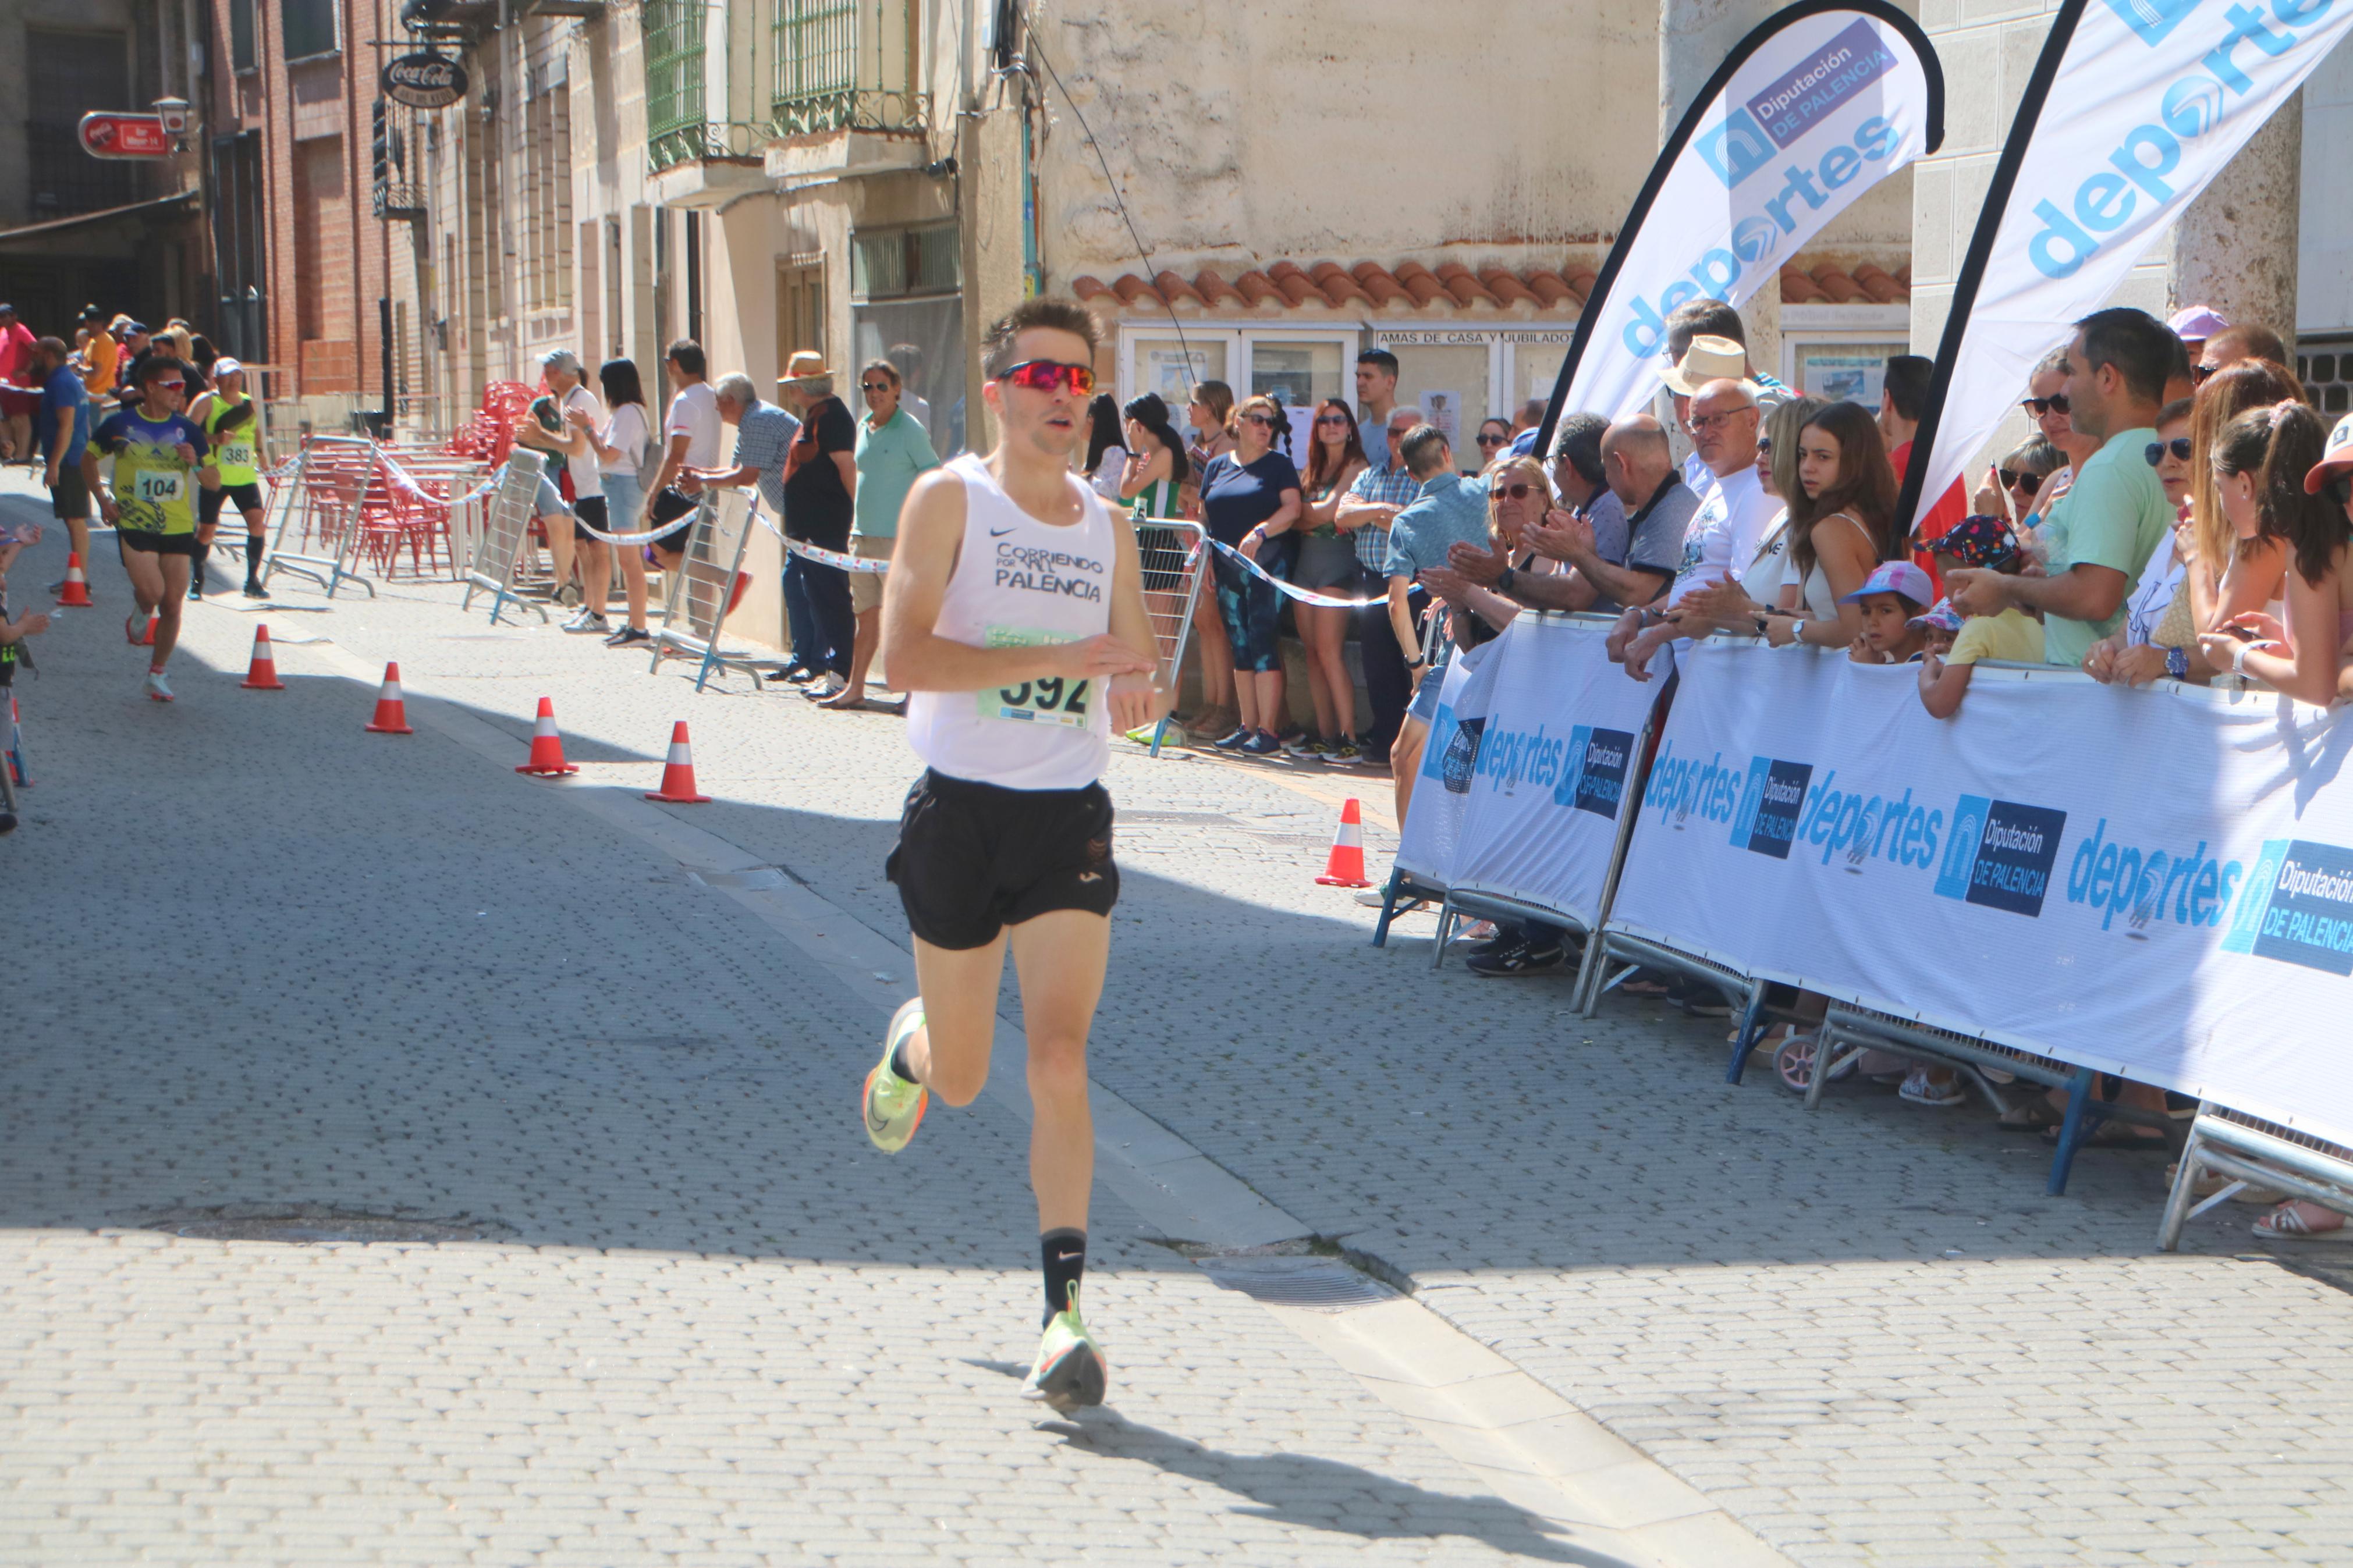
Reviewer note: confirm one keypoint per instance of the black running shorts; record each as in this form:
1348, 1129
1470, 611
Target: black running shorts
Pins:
184, 544
973, 858
209, 502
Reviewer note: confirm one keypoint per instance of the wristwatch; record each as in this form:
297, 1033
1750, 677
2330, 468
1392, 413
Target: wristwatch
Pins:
2177, 663
1504, 582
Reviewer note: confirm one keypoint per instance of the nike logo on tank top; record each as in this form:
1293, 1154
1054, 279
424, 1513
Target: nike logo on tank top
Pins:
1021, 582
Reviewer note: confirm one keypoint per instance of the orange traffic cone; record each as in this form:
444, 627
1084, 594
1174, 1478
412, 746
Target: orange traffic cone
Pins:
547, 746
262, 674
1344, 866
148, 640
678, 773
75, 592
391, 708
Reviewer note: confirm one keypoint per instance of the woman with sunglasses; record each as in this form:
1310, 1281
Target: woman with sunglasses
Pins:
1494, 435
1206, 414
1327, 564
153, 503
1250, 502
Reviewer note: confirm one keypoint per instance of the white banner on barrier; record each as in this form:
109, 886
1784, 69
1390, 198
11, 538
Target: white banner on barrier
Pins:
1433, 818
2153, 883
1554, 757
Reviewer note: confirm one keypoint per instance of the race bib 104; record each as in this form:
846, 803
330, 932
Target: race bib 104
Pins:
1050, 700
162, 488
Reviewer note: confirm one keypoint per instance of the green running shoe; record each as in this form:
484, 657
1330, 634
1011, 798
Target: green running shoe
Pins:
894, 1108
1070, 1370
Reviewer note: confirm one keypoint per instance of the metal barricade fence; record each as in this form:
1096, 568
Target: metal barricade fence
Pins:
704, 589
1174, 555
2254, 1153
498, 552
317, 520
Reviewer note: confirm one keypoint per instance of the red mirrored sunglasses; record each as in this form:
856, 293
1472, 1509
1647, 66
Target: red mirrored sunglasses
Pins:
1046, 374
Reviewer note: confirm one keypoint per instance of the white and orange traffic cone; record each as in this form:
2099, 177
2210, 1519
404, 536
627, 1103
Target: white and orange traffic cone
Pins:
1344, 866
74, 593
546, 745
678, 773
262, 674
391, 708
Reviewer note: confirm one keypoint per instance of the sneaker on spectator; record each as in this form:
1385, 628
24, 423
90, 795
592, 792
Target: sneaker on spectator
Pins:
628, 636
1304, 746
1512, 959
588, 620
1237, 741
1343, 756
1262, 745
1919, 1088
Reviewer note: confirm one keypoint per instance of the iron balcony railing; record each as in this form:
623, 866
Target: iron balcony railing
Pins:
846, 65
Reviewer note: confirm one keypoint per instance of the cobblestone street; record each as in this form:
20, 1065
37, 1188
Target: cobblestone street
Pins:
409, 1162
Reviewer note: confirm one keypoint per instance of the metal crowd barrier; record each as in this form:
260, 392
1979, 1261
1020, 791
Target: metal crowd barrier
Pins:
2253, 1152
317, 522
498, 553
701, 591
1174, 555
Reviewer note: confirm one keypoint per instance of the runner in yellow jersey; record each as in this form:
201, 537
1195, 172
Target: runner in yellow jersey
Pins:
158, 450
228, 418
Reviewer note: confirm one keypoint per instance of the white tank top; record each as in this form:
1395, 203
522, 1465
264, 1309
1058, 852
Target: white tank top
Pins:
1018, 582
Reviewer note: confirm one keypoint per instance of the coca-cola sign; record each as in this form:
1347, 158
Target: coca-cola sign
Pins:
124, 136
424, 80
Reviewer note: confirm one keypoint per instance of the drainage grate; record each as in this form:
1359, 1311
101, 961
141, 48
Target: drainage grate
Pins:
295, 1226
1319, 1284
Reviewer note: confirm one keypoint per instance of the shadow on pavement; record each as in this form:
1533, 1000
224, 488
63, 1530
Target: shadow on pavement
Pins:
1320, 1494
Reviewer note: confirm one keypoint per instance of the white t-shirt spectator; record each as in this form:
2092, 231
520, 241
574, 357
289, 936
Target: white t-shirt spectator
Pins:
626, 431
1109, 472
1721, 540
585, 466
694, 413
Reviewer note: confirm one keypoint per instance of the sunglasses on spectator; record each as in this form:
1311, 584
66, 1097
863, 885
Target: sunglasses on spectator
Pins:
1486, 441
2024, 484
1046, 374
1516, 492
2179, 447
1763, 445
2199, 373
873, 386
2056, 403
1717, 421
168, 385
2339, 489
1333, 421
1265, 420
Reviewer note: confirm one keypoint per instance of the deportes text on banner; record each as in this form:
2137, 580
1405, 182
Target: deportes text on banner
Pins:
1815, 106
1428, 840
1557, 754
2134, 107
2154, 883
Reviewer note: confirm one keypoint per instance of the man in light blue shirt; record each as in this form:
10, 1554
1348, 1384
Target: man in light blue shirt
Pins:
1448, 510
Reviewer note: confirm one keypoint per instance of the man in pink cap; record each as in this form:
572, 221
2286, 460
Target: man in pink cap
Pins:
2193, 324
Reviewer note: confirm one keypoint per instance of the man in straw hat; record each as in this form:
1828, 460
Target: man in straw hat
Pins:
820, 506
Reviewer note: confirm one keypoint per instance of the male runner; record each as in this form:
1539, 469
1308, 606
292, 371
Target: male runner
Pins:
158, 450
1014, 614
227, 414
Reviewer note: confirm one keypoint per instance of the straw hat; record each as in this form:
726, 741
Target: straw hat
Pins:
807, 365
1707, 359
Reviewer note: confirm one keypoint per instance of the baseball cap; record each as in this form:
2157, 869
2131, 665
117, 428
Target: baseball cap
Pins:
6, 309
1896, 577
2196, 323
2335, 459
1708, 359
1977, 539
226, 366
1940, 615
130, 327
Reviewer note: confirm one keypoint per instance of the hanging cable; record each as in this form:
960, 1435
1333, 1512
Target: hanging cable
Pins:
1143, 252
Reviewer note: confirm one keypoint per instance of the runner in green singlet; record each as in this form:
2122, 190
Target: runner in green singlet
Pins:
229, 417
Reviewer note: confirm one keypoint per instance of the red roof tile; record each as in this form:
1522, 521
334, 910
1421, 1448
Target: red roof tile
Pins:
1450, 288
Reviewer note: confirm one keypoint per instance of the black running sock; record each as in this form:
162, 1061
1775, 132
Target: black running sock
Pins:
1063, 1254
254, 546
196, 576
901, 1069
